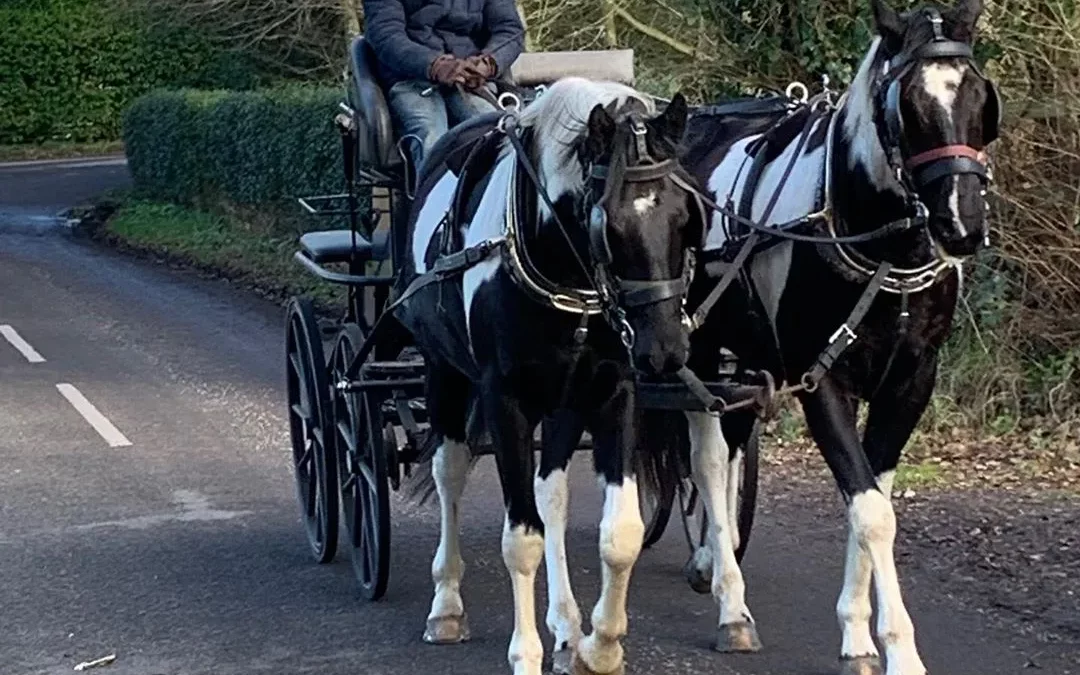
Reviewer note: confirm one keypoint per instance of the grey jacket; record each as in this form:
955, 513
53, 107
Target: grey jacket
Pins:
408, 35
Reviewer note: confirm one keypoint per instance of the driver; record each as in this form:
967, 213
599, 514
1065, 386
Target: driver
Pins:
433, 54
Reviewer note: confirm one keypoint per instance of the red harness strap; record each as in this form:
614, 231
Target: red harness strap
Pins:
946, 151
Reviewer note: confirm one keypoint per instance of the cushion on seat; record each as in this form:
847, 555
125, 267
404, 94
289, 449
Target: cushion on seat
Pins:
335, 246
533, 68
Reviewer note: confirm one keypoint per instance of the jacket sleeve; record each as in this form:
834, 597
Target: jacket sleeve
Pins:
507, 33
384, 28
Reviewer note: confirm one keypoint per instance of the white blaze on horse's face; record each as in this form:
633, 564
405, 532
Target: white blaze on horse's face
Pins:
941, 81
642, 205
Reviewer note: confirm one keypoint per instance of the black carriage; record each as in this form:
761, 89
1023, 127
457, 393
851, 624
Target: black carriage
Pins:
355, 388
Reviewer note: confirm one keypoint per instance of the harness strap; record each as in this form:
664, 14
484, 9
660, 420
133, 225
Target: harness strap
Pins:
639, 293
944, 152
702, 312
845, 335
902, 323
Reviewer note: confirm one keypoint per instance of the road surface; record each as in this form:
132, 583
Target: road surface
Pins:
147, 506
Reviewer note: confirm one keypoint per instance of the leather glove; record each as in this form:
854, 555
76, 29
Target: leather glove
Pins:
478, 70
447, 70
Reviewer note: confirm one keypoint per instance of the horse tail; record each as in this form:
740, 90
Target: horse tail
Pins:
419, 487
661, 453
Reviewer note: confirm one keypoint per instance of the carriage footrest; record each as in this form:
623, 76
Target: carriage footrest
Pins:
337, 246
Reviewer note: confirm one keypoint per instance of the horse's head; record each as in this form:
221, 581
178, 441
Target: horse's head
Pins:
936, 114
641, 222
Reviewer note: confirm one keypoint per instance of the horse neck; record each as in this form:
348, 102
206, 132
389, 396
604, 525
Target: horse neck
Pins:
545, 243
864, 190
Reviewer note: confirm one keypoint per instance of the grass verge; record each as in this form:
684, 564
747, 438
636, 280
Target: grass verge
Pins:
222, 246
56, 150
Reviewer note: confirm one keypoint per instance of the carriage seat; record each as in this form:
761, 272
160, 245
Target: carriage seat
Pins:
375, 129
336, 246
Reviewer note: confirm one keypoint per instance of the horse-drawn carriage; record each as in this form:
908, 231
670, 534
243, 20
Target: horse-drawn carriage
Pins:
357, 413
889, 210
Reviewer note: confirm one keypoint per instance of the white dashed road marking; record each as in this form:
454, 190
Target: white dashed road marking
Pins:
100, 423
22, 345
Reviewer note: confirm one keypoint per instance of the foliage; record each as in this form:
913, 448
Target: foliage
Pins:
224, 245
69, 67
244, 148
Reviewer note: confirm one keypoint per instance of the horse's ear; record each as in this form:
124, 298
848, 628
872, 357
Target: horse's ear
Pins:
671, 124
890, 25
601, 130
960, 20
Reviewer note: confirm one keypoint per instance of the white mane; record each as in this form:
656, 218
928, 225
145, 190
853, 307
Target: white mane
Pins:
559, 117
859, 128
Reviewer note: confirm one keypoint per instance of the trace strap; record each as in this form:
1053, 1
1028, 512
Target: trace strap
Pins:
845, 335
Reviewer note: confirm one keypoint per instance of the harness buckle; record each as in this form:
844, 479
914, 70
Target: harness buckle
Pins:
844, 329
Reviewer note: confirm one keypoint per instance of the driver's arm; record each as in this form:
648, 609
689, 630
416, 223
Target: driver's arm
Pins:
384, 28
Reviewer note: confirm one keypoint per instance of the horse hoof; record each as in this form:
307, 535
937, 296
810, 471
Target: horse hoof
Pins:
738, 638
699, 580
562, 662
581, 668
860, 665
447, 630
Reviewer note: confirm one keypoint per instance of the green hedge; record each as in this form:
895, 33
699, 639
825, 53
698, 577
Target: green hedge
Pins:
246, 148
68, 68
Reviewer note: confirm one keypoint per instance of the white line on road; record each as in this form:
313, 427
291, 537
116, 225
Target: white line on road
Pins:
100, 423
22, 345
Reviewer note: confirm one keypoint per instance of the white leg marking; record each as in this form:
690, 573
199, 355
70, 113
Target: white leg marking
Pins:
709, 463
563, 615
734, 483
101, 424
16, 340
436, 204
873, 524
853, 608
621, 535
522, 552
450, 468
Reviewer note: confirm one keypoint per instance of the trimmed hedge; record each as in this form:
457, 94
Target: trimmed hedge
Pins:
68, 68
244, 148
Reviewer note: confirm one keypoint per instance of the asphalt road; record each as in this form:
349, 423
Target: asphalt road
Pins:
177, 545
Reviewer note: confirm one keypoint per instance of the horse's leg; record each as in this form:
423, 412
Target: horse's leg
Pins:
523, 532
560, 438
872, 524
709, 458
447, 397
621, 534
736, 428
894, 413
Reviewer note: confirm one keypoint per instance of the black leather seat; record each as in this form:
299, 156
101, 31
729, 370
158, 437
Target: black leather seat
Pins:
375, 132
336, 246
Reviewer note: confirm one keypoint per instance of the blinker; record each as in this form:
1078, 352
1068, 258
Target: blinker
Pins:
598, 239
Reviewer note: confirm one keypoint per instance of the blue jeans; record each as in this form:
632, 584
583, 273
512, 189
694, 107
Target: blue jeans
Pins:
430, 116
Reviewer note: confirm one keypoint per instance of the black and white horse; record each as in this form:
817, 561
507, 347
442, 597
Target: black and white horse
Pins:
906, 142
509, 340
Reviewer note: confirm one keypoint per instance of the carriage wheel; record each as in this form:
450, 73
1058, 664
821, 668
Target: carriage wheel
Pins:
695, 520
314, 466
365, 494
656, 512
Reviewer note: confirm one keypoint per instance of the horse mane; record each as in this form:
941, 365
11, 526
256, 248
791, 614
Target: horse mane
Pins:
560, 118
859, 127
